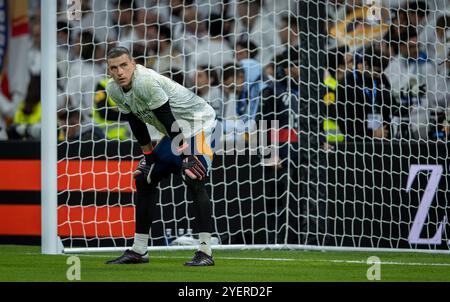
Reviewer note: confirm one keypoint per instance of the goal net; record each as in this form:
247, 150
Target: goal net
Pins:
358, 90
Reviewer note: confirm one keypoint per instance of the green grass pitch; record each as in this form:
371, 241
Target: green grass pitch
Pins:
25, 263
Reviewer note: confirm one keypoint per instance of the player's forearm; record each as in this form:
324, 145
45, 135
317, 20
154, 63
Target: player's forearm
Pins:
165, 116
140, 132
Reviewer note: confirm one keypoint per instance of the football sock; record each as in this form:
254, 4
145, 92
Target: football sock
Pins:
140, 243
205, 243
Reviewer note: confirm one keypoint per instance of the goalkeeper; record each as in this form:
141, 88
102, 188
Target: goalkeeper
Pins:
145, 96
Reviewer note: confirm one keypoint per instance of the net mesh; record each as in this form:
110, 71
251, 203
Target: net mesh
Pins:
359, 89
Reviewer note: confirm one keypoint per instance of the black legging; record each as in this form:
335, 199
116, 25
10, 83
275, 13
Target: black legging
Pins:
147, 197
202, 204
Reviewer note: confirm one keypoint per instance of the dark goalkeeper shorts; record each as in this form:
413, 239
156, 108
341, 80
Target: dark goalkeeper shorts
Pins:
168, 162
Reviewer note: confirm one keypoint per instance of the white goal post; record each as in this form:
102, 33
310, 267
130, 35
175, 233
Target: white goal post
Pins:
364, 120
50, 239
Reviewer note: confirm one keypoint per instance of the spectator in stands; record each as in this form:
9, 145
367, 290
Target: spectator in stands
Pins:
399, 24
337, 10
415, 13
290, 62
167, 57
437, 104
387, 47
228, 18
73, 127
107, 116
95, 19
242, 85
206, 81
280, 8
270, 69
438, 84
189, 34
144, 38
245, 50
438, 9
169, 11
407, 73
251, 19
245, 81
140, 54
34, 53
175, 74
289, 31
125, 18
260, 99
287, 80
18, 80
438, 50
27, 119
364, 101
214, 51
344, 63
63, 52
209, 8
85, 72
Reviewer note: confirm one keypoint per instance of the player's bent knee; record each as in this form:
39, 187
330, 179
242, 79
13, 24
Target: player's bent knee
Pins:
141, 182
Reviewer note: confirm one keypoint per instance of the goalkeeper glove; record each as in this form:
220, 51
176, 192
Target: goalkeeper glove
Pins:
193, 167
145, 165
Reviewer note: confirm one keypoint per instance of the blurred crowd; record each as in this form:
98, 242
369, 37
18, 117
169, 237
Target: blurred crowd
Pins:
386, 75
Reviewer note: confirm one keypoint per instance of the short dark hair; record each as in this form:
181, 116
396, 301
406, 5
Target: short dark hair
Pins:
165, 32
231, 70
138, 51
251, 2
249, 46
87, 43
126, 4
215, 25
175, 74
374, 59
290, 19
118, 51
407, 34
419, 7
63, 27
443, 22
281, 60
211, 72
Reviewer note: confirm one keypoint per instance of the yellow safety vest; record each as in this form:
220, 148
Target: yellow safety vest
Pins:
330, 82
113, 129
332, 132
33, 118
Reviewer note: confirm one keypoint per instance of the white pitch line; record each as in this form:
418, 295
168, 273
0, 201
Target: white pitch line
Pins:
390, 263
285, 260
337, 261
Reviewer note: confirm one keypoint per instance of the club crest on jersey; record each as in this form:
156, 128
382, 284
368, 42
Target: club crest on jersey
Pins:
145, 114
